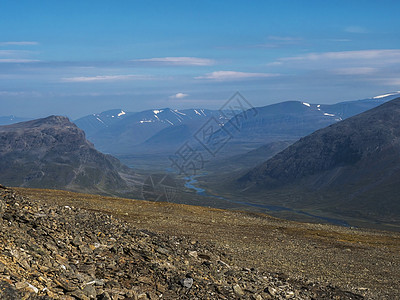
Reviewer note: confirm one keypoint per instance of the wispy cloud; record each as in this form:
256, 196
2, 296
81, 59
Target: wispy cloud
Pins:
355, 71
277, 42
16, 56
179, 96
350, 58
17, 60
183, 61
362, 54
23, 43
378, 66
283, 38
106, 78
392, 82
14, 53
355, 29
233, 75
338, 40
20, 93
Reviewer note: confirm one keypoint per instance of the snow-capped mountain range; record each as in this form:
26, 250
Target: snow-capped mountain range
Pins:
95, 122
119, 131
122, 132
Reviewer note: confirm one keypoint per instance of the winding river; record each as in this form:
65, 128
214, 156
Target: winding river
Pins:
191, 184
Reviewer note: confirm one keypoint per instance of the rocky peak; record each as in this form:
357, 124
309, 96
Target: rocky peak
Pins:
55, 120
41, 135
53, 152
52, 121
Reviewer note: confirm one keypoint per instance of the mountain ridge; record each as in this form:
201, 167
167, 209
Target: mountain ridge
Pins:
52, 152
350, 165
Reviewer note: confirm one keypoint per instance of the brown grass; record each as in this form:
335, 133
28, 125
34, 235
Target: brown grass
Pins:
318, 252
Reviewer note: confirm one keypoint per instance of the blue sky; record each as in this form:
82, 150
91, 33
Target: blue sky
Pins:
79, 57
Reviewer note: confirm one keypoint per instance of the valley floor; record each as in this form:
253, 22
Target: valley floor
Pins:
365, 262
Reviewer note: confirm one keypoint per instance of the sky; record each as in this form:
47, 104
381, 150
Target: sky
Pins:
75, 58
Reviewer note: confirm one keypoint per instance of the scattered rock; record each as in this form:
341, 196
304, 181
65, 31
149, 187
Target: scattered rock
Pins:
90, 292
51, 252
204, 256
187, 282
270, 290
238, 290
193, 254
21, 285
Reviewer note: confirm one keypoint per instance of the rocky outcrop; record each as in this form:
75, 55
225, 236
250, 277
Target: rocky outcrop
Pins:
62, 252
54, 153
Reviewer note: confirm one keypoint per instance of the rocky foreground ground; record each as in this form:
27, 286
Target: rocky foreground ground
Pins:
50, 251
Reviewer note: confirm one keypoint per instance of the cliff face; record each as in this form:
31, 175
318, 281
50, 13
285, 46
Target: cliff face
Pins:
54, 153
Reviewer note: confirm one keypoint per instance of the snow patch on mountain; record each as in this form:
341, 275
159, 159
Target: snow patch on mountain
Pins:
386, 95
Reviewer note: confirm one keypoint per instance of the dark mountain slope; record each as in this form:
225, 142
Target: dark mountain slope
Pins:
285, 121
54, 153
291, 120
246, 161
352, 167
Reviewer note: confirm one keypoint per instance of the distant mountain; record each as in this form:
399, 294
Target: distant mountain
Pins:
96, 122
6, 120
170, 137
124, 135
350, 168
243, 162
348, 109
290, 120
129, 136
53, 153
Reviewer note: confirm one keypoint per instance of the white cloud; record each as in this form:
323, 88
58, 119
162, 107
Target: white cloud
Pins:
233, 75
16, 56
17, 60
24, 43
105, 78
14, 53
179, 96
393, 54
363, 60
184, 61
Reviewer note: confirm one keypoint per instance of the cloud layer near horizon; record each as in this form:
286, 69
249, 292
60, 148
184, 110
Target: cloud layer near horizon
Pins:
178, 61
